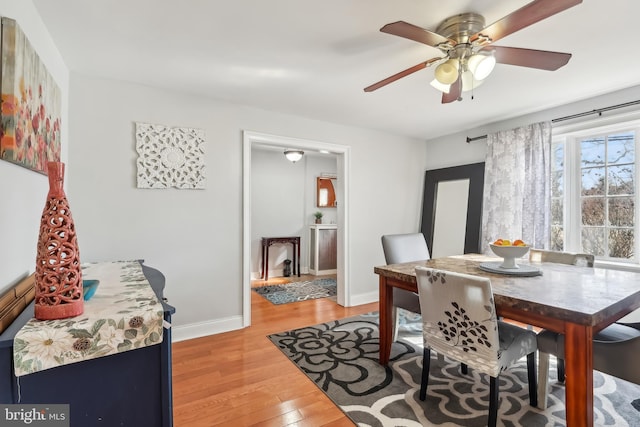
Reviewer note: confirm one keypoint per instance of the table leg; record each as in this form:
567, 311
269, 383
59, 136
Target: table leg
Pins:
298, 258
266, 263
386, 319
262, 266
293, 247
578, 350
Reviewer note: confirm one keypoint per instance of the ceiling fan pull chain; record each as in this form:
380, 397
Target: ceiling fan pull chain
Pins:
473, 88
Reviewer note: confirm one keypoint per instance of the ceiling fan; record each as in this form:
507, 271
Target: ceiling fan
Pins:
469, 55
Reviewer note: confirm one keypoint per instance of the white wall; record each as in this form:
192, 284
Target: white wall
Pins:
22, 191
283, 201
195, 236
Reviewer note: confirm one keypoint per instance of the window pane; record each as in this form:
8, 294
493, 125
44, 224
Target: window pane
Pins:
593, 181
557, 238
621, 211
558, 158
606, 193
620, 179
557, 184
593, 211
556, 212
621, 243
593, 241
592, 152
621, 148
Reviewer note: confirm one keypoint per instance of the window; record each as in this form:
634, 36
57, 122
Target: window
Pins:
593, 192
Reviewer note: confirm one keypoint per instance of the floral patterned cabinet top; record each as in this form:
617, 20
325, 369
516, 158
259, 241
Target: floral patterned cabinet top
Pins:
124, 314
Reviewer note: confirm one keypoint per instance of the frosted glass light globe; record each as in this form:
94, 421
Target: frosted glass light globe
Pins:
469, 82
481, 65
442, 88
447, 72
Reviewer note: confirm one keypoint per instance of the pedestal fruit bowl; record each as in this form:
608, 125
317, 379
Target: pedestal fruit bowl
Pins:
509, 252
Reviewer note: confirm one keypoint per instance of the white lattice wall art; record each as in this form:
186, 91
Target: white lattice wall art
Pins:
170, 157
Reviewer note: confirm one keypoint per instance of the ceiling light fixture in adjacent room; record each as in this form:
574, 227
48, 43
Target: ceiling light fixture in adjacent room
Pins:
293, 155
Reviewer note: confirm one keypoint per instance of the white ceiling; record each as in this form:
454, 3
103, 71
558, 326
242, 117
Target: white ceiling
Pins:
314, 58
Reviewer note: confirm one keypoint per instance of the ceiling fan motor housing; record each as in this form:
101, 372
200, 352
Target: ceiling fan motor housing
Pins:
461, 27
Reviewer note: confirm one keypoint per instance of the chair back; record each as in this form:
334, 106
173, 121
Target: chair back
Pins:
459, 318
399, 248
615, 352
542, 255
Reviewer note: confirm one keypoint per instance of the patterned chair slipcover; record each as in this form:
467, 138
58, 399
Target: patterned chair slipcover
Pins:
459, 321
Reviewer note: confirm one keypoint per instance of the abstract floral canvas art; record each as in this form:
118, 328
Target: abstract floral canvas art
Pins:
31, 104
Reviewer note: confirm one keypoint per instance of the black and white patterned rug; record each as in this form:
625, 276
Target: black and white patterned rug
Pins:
298, 291
341, 357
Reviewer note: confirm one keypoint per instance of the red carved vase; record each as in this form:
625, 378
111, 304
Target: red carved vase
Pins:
58, 274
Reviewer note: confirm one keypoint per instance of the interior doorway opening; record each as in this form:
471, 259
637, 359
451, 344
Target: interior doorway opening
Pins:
254, 140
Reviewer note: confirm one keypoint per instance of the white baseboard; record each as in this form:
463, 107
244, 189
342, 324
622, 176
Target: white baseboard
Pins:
365, 298
322, 272
255, 275
202, 329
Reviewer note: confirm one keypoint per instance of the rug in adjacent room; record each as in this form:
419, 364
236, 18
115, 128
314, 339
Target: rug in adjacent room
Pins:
341, 357
298, 291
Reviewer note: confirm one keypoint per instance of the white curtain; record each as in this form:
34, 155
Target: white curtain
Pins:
516, 201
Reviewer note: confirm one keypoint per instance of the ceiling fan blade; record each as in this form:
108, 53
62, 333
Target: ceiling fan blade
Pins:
400, 75
532, 58
454, 92
529, 14
411, 32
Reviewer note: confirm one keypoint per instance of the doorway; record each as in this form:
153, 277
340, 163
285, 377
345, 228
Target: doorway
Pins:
253, 140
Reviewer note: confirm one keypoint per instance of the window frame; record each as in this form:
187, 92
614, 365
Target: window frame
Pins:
571, 135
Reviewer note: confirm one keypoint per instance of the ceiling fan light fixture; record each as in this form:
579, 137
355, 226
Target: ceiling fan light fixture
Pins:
469, 82
481, 65
293, 155
447, 72
441, 87
463, 36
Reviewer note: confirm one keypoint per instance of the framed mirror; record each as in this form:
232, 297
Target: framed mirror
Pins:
325, 192
452, 209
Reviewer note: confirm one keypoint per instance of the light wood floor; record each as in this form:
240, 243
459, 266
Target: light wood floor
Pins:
240, 378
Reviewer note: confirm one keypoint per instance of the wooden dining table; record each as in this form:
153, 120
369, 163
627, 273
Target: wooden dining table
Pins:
577, 301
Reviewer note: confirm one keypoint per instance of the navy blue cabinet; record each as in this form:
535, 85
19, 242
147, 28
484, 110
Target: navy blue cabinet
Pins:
132, 388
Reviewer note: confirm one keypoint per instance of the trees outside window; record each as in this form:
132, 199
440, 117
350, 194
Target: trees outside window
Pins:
593, 193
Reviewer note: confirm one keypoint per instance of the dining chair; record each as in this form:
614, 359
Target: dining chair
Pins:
547, 340
571, 258
632, 319
614, 348
559, 257
459, 320
615, 352
399, 248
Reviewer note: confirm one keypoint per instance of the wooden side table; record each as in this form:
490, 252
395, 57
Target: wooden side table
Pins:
268, 241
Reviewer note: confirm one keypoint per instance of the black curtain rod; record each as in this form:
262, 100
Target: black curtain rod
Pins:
599, 112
